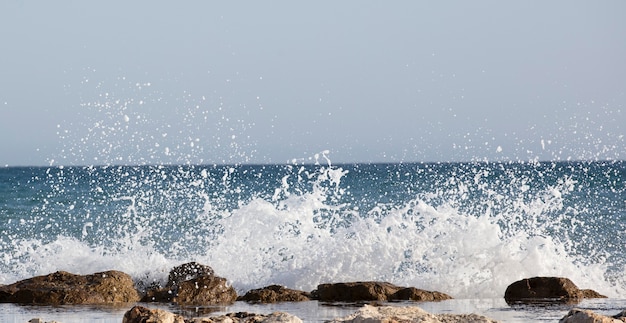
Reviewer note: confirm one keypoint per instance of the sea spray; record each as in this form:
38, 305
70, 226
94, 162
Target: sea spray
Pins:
467, 229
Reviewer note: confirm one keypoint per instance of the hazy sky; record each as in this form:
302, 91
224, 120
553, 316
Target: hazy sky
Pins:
137, 82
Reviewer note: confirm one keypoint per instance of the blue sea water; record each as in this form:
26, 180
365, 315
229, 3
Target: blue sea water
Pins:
466, 229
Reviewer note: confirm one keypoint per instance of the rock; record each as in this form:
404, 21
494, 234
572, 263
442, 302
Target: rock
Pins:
193, 284
415, 294
274, 294
188, 271
541, 289
38, 320
587, 316
393, 314
621, 315
62, 288
372, 291
244, 317
140, 314
590, 293
205, 290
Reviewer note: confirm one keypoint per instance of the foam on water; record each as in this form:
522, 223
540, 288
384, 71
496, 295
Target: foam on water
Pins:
462, 229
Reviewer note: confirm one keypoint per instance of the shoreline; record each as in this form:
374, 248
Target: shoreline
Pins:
310, 311
194, 291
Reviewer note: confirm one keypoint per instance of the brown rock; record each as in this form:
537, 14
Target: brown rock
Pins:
159, 295
586, 316
590, 293
187, 271
373, 291
274, 294
407, 314
193, 284
541, 289
61, 288
415, 294
205, 290
355, 291
244, 317
140, 314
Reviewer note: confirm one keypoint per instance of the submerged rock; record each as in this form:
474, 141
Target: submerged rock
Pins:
140, 314
274, 294
415, 294
373, 291
587, 316
193, 284
62, 288
547, 289
391, 314
244, 317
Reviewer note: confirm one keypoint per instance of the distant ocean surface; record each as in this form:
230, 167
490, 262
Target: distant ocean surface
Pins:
466, 229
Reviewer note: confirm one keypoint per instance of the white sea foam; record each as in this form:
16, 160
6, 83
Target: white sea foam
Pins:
303, 237
415, 244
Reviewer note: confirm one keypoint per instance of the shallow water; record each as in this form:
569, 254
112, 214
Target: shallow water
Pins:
313, 311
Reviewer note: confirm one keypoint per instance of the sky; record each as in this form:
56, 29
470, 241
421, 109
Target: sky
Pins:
214, 82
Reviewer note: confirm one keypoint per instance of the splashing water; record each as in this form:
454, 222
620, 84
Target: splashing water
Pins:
467, 229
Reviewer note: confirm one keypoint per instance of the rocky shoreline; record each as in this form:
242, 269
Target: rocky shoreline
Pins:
194, 284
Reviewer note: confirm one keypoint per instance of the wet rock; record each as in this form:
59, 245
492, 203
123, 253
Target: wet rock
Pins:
590, 293
244, 317
188, 271
541, 289
193, 284
393, 314
140, 314
274, 294
62, 288
419, 295
205, 290
587, 316
372, 291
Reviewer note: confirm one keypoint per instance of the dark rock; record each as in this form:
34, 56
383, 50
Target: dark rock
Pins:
590, 293
274, 294
372, 291
161, 295
188, 271
193, 284
244, 317
415, 294
61, 288
541, 289
355, 291
205, 290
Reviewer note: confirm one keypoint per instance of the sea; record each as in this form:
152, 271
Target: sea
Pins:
468, 229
